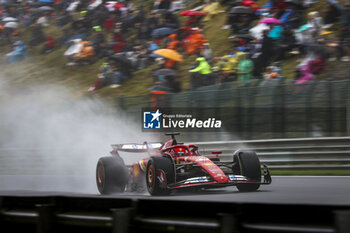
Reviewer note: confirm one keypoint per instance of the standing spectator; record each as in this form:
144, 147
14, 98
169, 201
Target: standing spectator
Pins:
276, 33
43, 21
49, 45
142, 32
333, 12
245, 69
174, 43
164, 4
98, 41
207, 53
109, 24
38, 36
267, 52
104, 77
18, 53
171, 21
152, 22
201, 75
194, 43
86, 54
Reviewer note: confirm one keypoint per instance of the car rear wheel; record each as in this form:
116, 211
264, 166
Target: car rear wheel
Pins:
247, 164
111, 175
159, 173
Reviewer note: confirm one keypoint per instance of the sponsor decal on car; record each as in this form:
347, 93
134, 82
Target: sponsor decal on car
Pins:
196, 180
236, 177
142, 165
208, 164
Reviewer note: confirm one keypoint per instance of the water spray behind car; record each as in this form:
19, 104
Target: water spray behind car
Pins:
51, 140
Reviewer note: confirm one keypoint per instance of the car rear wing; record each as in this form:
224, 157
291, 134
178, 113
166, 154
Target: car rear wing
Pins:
136, 148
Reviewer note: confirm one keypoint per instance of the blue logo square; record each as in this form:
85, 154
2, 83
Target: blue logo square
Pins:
152, 120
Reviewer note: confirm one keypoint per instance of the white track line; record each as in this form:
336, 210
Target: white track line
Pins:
299, 176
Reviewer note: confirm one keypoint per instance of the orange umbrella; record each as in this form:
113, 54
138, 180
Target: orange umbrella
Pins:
169, 53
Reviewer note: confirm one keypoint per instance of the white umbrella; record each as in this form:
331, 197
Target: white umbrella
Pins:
94, 4
257, 31
45, 8
9, 19
74, 48
110, 5
11, 25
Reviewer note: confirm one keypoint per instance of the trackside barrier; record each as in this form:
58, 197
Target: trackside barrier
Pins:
263, 109
126, 215
297, 153
293, 153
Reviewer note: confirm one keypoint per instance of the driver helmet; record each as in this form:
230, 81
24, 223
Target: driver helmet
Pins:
180, 151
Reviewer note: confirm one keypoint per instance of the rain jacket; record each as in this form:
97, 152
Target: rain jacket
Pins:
225, 65
50, 41
86, 52
211, 9
203, 67
245, 66
276, 33
174, 42
194, 43
18, 52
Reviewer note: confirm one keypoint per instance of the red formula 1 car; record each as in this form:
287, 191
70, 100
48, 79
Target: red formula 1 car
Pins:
173, 166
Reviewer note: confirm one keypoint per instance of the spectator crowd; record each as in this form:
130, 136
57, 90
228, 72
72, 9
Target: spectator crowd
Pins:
127, 37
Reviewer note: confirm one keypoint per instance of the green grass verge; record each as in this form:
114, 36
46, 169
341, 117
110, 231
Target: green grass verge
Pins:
310, 172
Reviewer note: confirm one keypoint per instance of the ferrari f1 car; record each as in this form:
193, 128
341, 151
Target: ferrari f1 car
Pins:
173, 166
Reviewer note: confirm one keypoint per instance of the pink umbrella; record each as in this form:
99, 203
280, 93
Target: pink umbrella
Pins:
270, 20
306, 78
119, 5
191, 13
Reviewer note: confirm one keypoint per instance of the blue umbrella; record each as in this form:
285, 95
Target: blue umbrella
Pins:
47, 1
162, 32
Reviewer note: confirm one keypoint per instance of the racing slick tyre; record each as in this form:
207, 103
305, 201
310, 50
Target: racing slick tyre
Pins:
111, 175
159, 173
247, 164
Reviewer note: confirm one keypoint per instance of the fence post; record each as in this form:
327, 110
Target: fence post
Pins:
342, 223
330, 108
283, 108
122, 104
348, 116
1, 206
278, 110
228, 223
251, 111
216, 106
308, 109
238, 121
308, 112
344, 125
190, 97
121, 220
45, 220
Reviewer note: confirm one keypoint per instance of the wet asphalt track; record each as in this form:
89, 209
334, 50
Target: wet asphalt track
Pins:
285, 190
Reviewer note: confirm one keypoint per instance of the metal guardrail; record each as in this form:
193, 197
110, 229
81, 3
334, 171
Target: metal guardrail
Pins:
122, 215
326, 153
299, 153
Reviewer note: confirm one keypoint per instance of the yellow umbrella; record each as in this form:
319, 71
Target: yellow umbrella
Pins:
169, 53
325, 32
